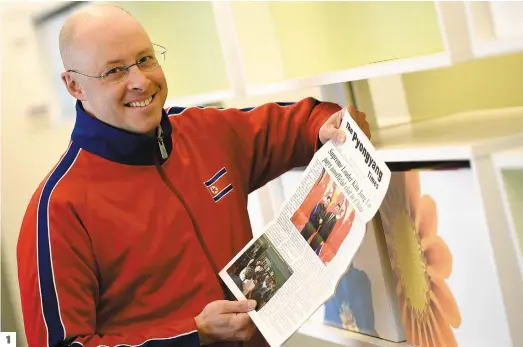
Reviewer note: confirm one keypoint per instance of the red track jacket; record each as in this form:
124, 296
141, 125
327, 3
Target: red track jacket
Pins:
122, 241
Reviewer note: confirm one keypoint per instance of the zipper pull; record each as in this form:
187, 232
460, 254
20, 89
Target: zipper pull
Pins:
163, 150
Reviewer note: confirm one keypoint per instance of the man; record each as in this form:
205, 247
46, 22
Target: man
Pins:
122, 242
325, 228
315, 218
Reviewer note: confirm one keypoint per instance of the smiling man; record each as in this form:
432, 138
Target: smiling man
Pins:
100, 51
122, 241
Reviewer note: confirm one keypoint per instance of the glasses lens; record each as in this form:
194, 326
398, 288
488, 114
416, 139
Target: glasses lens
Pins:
150, 63
158, 59
160, 56
116, 75
159, 53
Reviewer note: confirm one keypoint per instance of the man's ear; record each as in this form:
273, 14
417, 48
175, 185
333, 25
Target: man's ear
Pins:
73, 87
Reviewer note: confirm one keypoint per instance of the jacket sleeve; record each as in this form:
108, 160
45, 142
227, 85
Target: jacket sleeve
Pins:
276, 137
59, 289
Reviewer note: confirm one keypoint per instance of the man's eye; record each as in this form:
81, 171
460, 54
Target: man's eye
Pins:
115, 70
145, 59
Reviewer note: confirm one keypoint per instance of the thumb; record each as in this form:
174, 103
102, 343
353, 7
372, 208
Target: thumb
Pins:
329, 131
239, 306
334, 133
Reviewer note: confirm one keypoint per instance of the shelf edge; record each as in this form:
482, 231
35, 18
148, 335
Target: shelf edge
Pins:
450, 153
392, 67
344, 337
498, 47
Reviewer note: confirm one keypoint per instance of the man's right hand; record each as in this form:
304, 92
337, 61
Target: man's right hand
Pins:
224, 320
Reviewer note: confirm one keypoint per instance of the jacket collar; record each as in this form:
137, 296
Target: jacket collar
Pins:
119, 145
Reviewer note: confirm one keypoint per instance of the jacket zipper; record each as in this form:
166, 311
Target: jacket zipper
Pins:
161, 144
163, 176
175, 191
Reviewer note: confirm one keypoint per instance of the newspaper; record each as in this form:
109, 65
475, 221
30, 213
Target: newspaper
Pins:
295, 264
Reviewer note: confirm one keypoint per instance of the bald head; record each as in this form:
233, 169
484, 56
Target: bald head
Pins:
102, 40
81, 22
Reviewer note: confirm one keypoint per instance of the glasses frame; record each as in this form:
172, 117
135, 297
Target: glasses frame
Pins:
103, 75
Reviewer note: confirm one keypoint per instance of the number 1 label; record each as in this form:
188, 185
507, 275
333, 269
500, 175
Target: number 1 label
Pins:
7, 339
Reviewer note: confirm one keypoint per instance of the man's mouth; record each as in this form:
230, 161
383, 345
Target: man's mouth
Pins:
141, 103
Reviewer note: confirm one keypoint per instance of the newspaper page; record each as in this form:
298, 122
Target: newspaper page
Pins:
294, 266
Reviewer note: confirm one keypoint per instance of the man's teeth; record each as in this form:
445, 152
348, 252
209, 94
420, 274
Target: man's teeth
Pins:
141, 103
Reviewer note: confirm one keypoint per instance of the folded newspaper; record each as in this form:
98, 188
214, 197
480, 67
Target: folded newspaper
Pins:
294, 266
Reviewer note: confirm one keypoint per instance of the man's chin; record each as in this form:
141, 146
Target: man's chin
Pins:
146, 125
149, 128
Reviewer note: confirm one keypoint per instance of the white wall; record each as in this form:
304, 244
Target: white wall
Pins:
29, 146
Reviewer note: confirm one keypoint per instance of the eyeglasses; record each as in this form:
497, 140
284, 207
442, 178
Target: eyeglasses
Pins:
119, 73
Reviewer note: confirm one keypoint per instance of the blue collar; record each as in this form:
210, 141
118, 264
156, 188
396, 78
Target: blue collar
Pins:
119, 145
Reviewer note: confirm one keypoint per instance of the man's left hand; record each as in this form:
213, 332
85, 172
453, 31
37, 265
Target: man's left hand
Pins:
331, 128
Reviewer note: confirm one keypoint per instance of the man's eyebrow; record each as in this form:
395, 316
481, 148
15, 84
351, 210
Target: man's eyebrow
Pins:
119, 61
143, 51
111, 62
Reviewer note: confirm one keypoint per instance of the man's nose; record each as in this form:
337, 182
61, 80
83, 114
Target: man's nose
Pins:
137, 79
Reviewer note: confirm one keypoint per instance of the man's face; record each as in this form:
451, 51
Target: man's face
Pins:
97, 51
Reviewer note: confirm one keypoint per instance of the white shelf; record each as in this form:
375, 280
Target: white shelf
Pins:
509, 160
509, 175
386, 68
344, 337
489, 24
463, 136
443, 42
502, 203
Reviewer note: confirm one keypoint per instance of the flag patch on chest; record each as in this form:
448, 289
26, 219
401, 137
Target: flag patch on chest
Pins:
219, 185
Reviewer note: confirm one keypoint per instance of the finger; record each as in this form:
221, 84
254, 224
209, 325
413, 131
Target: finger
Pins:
361, 120
358, 118
241, 321
352, 111
238, 306
243, 326
366, 129
339, 136
335, 134
338, 118
247, 333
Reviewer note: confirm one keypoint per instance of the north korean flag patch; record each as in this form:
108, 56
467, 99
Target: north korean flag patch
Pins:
219, 184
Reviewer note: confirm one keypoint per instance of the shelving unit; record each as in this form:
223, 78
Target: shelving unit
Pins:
509, 174
511, 159
300, 44
473, 223
464, 136
495, 27
262, 48
344, 337
473, 137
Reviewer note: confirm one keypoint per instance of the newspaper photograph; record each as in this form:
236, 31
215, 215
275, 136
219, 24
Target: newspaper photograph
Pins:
324, 218
293, 267
259, 272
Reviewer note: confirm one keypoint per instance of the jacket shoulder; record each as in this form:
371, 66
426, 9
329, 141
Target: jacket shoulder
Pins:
62, 184
197, 119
